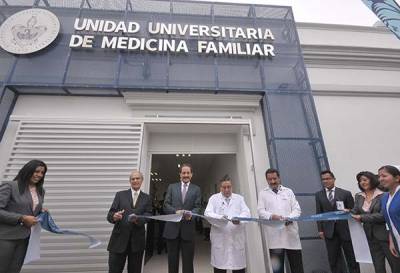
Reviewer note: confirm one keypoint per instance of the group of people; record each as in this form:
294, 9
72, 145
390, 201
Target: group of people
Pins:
373, 207
377, 206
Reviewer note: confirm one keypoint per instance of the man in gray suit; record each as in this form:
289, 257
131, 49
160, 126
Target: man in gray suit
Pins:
182, 197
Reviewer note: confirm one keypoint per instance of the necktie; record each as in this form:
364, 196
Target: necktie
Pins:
184, 191
227, 200
330, 196
275, 191
135, 196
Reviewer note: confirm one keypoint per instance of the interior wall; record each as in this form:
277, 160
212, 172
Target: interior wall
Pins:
222, 165
208, 169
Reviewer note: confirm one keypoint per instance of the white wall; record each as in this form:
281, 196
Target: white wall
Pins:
360, 133
355, 78
72, 107
348, 36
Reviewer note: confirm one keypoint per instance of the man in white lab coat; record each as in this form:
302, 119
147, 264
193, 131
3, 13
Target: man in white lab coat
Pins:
277, 202
227, 237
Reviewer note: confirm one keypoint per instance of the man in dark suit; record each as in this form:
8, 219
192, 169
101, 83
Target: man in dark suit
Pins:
182, 197
335, 233
128, 236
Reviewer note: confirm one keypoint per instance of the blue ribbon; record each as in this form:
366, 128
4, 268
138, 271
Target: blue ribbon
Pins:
327, 216
47, 223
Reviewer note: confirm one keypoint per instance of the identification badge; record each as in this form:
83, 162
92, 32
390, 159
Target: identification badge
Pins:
339, 205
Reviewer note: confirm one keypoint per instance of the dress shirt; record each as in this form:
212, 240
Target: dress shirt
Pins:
133, 196
367, 203
183, 185
328, 190
35, 197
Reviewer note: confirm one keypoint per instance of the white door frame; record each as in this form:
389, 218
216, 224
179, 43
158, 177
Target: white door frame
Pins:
145, 158
244, 153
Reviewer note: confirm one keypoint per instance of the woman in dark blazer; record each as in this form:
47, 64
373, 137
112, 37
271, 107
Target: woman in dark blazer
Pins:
20, 202
367, 210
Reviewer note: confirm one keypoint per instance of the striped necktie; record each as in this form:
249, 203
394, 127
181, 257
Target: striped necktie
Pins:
330, 197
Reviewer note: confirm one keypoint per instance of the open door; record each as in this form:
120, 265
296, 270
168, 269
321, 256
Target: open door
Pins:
215, 150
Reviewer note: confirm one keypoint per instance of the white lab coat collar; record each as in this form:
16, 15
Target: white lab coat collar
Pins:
280, 188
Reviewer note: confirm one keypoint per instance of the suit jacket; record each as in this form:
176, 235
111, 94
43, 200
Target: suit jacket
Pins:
13, 205
173, 202
125, 232
323, 205
373, 220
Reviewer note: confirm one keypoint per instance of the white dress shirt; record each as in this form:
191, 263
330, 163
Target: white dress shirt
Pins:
283, 203
327, 192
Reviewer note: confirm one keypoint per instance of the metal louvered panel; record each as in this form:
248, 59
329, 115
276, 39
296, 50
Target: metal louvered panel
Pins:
87, 163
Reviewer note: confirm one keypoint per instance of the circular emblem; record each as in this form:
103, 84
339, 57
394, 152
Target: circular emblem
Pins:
29, 31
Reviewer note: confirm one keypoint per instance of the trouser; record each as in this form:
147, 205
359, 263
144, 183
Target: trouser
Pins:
334, 246
278, 260
116, 262
380, 251
174, 246
12, 255
217, 270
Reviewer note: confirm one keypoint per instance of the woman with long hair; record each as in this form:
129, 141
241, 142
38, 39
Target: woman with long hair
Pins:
20, 202
389, 177
367, 210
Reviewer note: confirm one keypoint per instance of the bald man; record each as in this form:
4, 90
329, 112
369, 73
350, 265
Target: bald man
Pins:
128, 236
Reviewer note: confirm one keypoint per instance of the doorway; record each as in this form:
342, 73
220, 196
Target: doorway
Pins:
213, 150
207, 170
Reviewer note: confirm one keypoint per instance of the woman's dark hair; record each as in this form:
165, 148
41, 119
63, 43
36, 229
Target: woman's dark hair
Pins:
373, 181
25, 173
390, 169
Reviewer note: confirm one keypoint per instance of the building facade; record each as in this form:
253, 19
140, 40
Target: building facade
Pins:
247, 84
